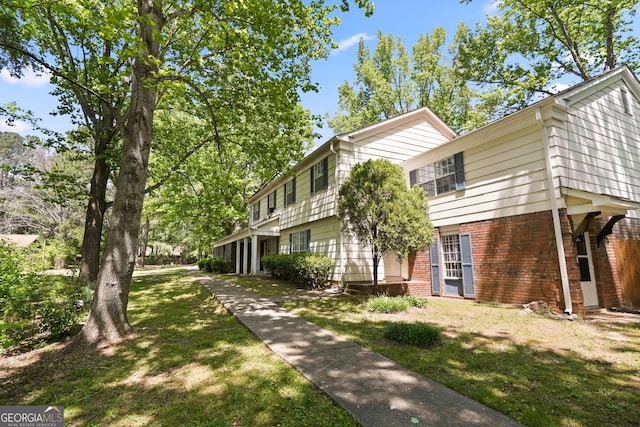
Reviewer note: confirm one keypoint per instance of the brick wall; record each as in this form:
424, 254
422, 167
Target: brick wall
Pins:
604, 258
515, 260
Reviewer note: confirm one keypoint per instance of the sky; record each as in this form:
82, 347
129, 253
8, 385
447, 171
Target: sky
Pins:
407, 19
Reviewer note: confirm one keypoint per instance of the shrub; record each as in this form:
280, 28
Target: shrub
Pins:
215, 265
31, 304
386, 304
416, 334
309, 270
415, 301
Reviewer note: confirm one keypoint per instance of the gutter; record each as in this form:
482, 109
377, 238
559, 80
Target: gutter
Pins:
557, 227
341, 245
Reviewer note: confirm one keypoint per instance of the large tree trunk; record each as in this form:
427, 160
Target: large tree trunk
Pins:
108, 323
94, 218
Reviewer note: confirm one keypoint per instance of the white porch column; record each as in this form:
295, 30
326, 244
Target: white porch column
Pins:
238, 257
245, 255
255, 262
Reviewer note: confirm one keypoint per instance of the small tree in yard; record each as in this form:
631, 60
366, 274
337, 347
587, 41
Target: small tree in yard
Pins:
378, 208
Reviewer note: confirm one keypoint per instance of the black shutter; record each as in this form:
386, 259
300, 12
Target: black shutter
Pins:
413, 177
290, 243
458, 161
325, 167
309, 240
468, 285
311, 180
434, 256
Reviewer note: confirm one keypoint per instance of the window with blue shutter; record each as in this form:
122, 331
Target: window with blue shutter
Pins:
468, 282
443, 176
290, 192
319, 176
300, 242
434, 257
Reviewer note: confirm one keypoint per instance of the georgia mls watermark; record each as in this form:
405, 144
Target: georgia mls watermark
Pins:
31, 416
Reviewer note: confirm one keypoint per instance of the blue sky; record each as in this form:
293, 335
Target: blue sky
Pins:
407, 19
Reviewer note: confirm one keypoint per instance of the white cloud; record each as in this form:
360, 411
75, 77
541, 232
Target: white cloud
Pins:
17, 126
29, 78
346, 44
491, 7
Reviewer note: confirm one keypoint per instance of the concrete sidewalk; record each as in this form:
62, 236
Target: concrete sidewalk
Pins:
375, 390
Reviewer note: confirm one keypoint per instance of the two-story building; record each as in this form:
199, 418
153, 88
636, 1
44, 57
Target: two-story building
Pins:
539, 205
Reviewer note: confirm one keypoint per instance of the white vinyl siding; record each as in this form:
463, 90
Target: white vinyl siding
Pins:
311, 207
400, 143
600, 150
503, 177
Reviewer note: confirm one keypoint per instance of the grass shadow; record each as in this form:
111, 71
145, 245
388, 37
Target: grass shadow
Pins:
190, 363
507, 362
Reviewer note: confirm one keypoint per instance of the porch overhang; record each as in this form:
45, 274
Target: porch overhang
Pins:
580, 202
245, 233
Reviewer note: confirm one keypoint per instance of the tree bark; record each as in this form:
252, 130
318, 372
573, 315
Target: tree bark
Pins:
108, 323
145, 242
94, 218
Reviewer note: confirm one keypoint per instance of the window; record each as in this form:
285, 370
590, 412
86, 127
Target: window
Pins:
625, 100
441, 177
290, 192
256, 211
271, 202
320, 176
452, 259
299, 241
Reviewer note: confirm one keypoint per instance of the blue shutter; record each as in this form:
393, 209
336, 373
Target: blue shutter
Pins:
413, 177
434, 257
468, 283
325, 168
458, 162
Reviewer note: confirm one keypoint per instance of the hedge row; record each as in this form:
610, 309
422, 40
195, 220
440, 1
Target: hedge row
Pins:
215, 265
310, 270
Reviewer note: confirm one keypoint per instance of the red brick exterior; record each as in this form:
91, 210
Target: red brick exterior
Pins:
604, 258
515, 260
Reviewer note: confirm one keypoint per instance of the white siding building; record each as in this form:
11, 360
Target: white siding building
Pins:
540, 205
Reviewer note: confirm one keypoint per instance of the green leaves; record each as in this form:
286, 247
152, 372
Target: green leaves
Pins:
377, 207
390, 82
530, 45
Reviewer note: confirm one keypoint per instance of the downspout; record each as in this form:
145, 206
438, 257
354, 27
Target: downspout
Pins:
557, 227
340, 245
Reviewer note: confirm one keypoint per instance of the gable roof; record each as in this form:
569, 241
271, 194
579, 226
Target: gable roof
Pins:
356, 135
525, 116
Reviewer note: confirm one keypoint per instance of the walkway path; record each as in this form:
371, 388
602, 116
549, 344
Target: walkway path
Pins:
375, 390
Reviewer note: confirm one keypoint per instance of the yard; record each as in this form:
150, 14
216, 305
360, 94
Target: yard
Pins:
192, 364
535, 368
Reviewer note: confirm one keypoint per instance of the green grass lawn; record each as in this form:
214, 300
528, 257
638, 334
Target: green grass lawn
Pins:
190, 364
535, 368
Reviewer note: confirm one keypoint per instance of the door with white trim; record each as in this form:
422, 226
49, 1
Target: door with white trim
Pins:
587, 277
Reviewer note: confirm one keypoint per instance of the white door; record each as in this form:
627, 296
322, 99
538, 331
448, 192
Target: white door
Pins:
392, 268
587, 278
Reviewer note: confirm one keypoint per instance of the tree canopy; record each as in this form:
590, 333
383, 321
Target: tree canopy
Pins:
381, 212
530, 45
233, 64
